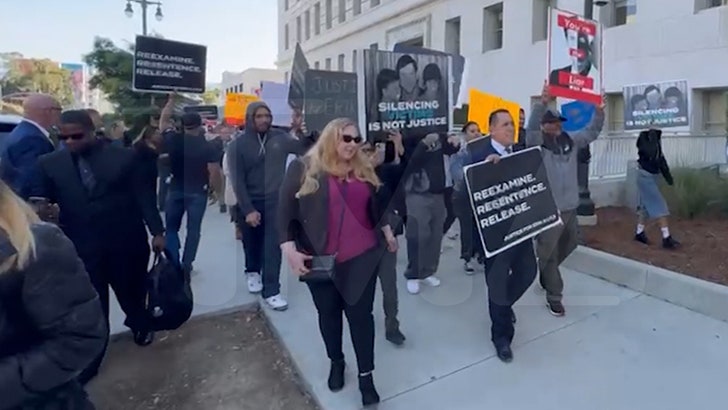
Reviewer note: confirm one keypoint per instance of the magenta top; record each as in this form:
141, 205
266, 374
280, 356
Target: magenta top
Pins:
357, 232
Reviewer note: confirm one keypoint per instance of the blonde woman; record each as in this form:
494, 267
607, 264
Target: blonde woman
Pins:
334, 231
51, 322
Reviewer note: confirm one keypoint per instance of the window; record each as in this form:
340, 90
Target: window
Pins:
328, 64
452, 36
357, 7
286, 5
540, 23
714, 111
307, 24
374, 46
493, 27
341, 62
298, 29
329, 13
615, 112
317, 65
286, 37
317, 19
374, 3
616, 13
353, 61
342, 11
709, 4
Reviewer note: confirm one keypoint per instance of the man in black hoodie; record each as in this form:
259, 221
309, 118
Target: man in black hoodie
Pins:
257, 163
424, 180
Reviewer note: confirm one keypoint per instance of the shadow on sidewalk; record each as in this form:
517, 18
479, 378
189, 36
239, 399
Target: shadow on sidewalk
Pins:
220, 362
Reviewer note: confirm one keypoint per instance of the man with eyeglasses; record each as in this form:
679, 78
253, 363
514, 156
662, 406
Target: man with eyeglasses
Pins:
28, 141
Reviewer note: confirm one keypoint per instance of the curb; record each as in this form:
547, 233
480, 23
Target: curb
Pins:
708, 298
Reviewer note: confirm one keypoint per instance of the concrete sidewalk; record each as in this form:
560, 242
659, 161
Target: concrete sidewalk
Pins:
616, 348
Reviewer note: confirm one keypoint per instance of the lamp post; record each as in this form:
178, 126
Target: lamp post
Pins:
129, 11
586, 209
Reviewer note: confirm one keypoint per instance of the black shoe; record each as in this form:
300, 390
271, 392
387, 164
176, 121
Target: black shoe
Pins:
556, 308
143, 338
504, 352
395, 336
336, 375
670, 243
642, 237
369, 394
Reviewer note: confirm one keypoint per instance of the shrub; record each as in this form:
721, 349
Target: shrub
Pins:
696, 192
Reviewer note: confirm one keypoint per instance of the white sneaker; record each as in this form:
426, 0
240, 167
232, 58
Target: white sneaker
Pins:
431, 281
255, 282
413, 286
277, 302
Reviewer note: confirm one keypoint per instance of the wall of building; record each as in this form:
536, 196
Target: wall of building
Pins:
664, 40
248, 81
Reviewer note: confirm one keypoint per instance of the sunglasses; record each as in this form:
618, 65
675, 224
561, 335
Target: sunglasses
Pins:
65, 137
348, 138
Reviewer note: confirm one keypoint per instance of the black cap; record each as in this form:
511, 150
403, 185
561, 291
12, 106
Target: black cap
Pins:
191, 120
551, 116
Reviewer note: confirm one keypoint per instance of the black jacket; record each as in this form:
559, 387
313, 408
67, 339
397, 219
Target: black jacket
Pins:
51, 325
304, 220
650, 156
427, 163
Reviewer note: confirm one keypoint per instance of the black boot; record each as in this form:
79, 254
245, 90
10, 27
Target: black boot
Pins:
395, 336
642, 237
369, 394
336, 375
670, 243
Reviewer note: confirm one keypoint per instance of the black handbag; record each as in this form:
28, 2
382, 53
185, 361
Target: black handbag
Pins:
323, 267
169, 294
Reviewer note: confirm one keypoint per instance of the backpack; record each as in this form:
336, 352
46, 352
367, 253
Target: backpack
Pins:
169, 294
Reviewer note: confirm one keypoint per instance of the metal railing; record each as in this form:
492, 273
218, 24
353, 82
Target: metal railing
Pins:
611, 153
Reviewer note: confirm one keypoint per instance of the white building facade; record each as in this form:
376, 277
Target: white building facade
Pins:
505, 43
248, 81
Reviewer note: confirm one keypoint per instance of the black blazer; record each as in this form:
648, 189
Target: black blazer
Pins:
305, 220
112, 216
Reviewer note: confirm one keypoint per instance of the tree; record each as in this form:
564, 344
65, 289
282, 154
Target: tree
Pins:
211, 97
113, 69
40, 76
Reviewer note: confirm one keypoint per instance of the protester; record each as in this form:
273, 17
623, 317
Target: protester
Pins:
560, 158
98, 123
652, 205
28, 141
51, 323
521, 140
257, 161
147, 146
104, 204
329, 207
510, 273
386, 160
461, 199
194, 163
425, 183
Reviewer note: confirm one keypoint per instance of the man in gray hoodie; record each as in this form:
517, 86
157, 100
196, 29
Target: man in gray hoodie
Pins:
560, 152
257, 163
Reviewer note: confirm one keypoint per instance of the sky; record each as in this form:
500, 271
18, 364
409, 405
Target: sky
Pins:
239, 34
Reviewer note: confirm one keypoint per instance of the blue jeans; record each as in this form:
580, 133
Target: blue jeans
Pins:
262, 249
179, 203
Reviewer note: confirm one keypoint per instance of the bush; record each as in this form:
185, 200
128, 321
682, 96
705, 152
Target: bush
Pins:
696, 192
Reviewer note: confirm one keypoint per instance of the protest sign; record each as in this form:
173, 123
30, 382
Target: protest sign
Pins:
458, 67
207, 112
162, 65
578, 115
511, 200
235, 106
481, 105
296, 82
328, 95
406, 92
275, 95
574, 57
660, 105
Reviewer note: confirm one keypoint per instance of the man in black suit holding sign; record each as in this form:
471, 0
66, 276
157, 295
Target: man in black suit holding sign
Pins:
510, 273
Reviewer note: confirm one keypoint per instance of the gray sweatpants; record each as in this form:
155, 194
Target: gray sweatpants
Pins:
553, 247
425, 220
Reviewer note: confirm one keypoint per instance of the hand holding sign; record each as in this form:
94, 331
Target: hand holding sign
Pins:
494, 158
546, 96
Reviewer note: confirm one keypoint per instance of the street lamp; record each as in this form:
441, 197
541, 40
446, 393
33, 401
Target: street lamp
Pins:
129, 11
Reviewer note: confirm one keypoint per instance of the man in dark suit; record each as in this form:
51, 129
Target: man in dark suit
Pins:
28, 141
104, 205
510, 273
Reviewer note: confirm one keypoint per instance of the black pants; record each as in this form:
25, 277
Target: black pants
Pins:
508, 275
125, 270
469, 241
262, 249
449, 207
330, 304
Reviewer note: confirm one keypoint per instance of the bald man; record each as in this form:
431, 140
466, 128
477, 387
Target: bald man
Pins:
28, 141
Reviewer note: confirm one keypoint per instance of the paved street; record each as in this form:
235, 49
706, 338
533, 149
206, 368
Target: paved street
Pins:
616, 349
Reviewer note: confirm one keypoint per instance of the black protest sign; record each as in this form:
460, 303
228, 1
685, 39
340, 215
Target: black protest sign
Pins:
162, 65
297, 80
511, 200
208, 112
329, 95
